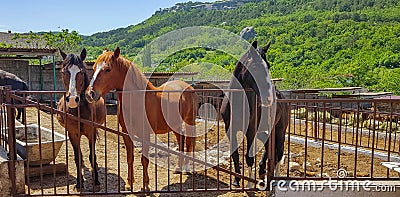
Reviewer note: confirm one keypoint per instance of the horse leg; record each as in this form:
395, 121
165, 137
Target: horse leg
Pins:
250, 134
263, 162
75, 141
19, 113
279, 146
130, 158
145, 162
190, 148
92, 156
235, 157
23, 112
180, 139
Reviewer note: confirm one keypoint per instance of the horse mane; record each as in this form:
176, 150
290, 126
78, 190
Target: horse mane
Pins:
123, 64
73, 59
238, 71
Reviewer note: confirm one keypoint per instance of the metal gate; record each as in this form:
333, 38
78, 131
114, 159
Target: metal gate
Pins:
324, 137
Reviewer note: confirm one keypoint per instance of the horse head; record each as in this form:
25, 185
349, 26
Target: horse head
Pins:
106, 75
251, 71
74, 77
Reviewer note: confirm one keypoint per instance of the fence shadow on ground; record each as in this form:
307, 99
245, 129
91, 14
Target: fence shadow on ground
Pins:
62, 180
196, 181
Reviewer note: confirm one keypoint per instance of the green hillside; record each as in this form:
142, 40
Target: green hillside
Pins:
316, 43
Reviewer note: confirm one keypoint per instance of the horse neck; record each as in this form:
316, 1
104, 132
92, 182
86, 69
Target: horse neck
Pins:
85, 84
139, 80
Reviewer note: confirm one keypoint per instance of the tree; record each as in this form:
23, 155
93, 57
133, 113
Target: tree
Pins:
65, 40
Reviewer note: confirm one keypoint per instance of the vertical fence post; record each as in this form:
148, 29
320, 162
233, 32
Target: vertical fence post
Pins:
11, 141
2, 117
271, 159
315, 129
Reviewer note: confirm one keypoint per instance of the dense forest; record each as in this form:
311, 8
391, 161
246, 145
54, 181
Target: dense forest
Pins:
315, 43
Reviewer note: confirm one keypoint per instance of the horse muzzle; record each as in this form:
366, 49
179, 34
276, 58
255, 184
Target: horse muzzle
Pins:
92, 96
72, 101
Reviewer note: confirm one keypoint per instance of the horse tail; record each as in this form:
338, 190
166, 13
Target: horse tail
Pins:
279, 142
280, 128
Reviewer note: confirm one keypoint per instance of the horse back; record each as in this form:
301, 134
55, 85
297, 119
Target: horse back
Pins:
180, 96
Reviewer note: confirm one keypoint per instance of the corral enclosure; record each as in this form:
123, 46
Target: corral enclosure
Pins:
323, 137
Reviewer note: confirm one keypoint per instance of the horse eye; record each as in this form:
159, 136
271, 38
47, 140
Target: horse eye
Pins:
108, 70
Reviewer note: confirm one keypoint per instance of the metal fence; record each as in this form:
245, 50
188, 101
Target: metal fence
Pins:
344, 134
324, 137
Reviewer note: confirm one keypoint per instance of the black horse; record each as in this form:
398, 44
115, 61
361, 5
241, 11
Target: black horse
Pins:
251, 74
16, 83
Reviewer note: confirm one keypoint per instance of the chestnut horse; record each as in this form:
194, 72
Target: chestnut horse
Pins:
76, 81
251, 73
143, 110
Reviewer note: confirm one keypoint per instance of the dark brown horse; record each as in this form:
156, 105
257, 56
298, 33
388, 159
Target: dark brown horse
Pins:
144, 108
16, 83
251, 74
76, 81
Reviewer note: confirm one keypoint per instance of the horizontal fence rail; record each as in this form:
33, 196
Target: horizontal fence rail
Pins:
338, 139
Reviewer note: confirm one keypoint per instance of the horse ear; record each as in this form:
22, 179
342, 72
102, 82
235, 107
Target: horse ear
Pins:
265, 49
83, 54
254, 44
63, 55
116, 53
105, 50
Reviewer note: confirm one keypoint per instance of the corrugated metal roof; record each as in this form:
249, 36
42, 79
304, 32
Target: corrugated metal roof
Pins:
24, 47
31, 52
8, 38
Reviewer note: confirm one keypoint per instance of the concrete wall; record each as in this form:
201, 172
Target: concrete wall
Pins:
31, 75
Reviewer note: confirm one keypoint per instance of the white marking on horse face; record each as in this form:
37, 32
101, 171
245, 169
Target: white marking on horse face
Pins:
98, 69
73, 70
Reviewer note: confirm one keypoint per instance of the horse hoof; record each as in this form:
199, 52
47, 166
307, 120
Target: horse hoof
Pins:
128, 187
78, 188
236, 183
146, 190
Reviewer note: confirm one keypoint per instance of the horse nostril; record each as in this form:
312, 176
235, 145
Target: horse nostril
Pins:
67, 98
77, 99
92, 93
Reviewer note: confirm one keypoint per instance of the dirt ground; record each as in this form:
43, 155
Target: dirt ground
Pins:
111, 158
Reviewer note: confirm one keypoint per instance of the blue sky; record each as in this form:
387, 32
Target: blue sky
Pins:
86, 17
